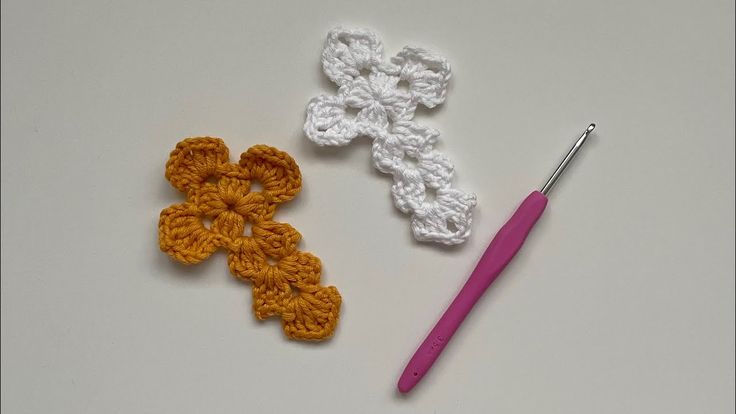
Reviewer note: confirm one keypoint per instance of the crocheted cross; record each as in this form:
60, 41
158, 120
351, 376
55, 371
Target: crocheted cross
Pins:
285, 281
371, 88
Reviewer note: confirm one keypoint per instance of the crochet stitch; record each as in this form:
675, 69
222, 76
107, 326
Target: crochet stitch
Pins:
285, 281
353, 59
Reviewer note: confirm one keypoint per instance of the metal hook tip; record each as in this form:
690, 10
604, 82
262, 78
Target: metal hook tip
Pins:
568, 158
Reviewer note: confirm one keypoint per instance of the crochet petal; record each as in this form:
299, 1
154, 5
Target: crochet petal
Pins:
275, 170
415, 138
408, 190
447, 219
347, 52
379, 90
232, 195
327, 122
412, 142
427, 74
301, 268
194, 160
276, 240
245, 258
397, 101
407, 139
371, 118
455, 204
313, 313
230, 225
357, 94
362, 95
254, 207
387, 154
436, 169
208, 199
183, 236
271, 292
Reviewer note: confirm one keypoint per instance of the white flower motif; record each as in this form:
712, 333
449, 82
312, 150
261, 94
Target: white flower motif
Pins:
372, 89
353, 60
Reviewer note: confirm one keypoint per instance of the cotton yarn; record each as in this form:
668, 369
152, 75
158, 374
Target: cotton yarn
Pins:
384, 96
284, 281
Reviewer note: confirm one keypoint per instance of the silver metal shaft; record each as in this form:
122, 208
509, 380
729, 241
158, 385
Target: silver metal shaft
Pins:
567, 160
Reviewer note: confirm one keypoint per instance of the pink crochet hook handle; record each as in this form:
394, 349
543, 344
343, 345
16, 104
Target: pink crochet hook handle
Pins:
499, 253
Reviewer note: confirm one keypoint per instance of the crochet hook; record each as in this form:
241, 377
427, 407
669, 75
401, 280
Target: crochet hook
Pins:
499, 253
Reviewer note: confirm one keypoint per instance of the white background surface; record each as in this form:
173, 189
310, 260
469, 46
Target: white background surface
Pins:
621, 301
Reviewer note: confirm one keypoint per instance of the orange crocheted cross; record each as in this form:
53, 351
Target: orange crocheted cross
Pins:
285, 280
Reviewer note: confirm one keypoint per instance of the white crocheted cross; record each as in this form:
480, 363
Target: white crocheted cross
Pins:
353, 59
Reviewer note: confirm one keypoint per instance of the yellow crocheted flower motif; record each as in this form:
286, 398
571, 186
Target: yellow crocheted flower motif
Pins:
285, 280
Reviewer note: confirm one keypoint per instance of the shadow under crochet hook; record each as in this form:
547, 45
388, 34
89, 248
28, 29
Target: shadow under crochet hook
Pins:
499, 253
